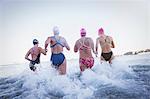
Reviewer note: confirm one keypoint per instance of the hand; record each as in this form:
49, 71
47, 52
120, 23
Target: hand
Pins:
46, 50
33, 62
96, 54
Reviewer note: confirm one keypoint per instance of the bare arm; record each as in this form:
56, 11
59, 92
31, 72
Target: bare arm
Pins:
97, 42
112, 43
47, 42
43, 51
66, 44
92, 45
76, 47
27, 55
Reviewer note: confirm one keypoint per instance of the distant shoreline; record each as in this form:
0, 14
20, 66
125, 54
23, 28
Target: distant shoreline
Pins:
137, 52
127, 53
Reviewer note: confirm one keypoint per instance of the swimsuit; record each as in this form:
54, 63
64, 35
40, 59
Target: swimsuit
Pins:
107, 56
33, 62
87, 61
83, 46
57, 42
57, 59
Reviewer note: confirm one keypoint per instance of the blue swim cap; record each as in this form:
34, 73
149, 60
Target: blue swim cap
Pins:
56, 30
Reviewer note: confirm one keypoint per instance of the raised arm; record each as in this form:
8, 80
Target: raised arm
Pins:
27, 55
47, 42
43, 51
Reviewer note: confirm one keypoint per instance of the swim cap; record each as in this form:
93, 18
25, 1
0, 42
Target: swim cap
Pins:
35, 41
101, 31
82, 32
56, 30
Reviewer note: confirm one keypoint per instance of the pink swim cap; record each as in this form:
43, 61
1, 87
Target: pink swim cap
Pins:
101, 31
82, 32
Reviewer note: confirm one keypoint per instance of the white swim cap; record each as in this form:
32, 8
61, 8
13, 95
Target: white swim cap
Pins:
56, 30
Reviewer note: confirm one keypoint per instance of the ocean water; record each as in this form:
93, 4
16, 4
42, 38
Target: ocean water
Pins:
127, 78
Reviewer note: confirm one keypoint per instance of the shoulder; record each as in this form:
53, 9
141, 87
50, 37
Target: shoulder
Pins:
48, 38
62, 37
30, 50
89, 39
110, 37
39, 48
77, 41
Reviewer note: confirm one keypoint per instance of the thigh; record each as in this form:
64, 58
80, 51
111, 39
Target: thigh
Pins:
102, 58
62, 68
112, 57
82, 67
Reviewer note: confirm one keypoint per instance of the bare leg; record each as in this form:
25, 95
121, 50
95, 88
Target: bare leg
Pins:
82, 67
110, 61
102, 59
62, 68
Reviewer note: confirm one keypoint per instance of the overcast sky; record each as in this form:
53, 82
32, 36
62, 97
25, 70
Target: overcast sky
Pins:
127, 21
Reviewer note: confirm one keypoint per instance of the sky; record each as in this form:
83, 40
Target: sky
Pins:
127, 21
